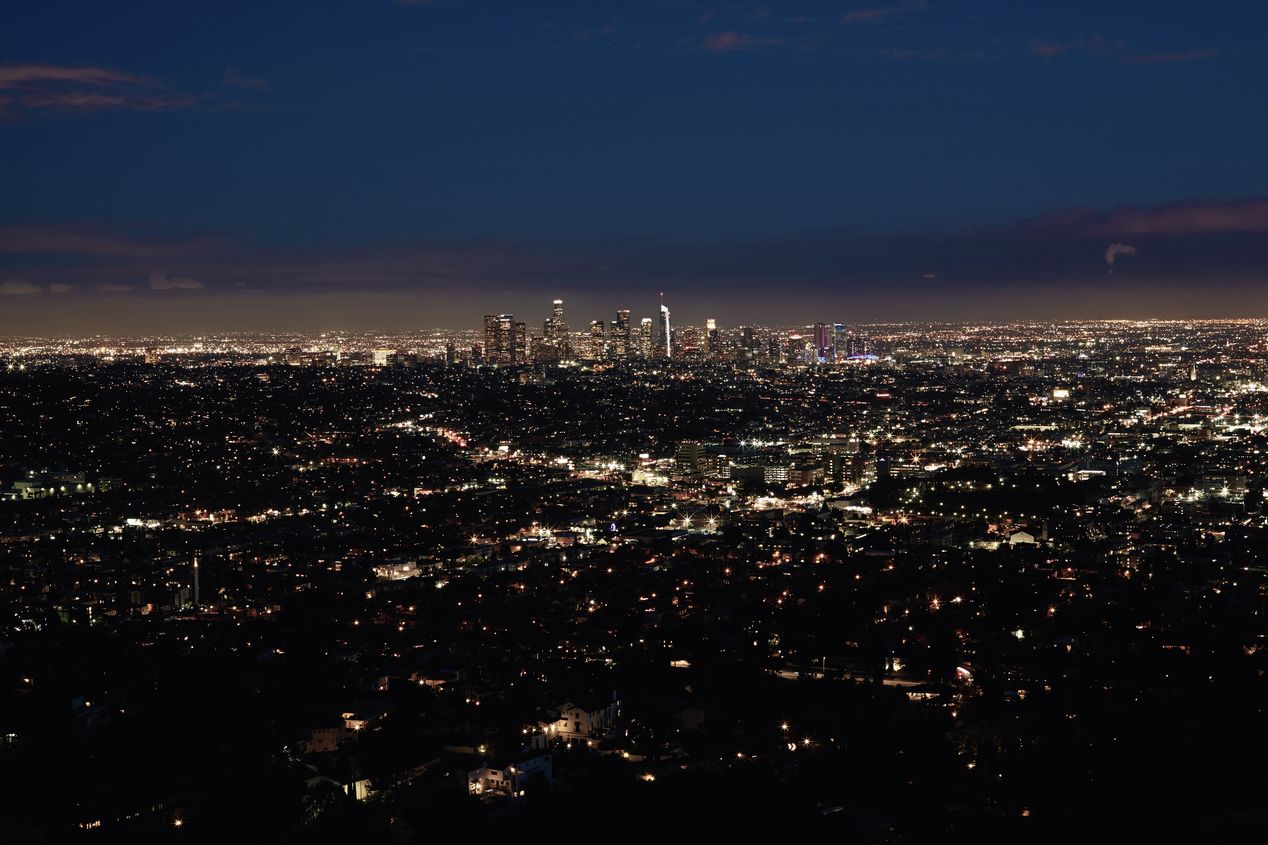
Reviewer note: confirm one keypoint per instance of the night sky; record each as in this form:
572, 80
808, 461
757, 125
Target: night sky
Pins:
188, 166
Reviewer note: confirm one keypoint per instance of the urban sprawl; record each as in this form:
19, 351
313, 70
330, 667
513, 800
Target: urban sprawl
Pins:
630, 578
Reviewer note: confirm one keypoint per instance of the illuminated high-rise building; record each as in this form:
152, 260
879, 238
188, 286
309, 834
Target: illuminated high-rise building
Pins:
645, 333
687, 459
598, 339
555, 331
840, 342
712, 339
823, 344
493, 340
665, 342
857, 346
505, 339
687, 342
620, 337
519, 342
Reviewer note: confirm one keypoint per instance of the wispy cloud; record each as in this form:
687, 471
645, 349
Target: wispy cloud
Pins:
234, 78
936, 54
57, 241
876, 14
19, 76
730, 41
64, 88
161, 281
93, 101
601, 31
1116, 249
1169, 58
1114, 50
1221, 241
1246, 216
18, 287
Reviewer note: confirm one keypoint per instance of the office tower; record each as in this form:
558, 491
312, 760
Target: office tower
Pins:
799, 349
613, 348
687, 458
645, 337
505, 339
666, 339
775, 351
748, 348
451, 354
687, 342
823, 344
840, 342
557, 318
597, 340
712, 339
858, 346
621, 337
555, 333
492, 338
519, 342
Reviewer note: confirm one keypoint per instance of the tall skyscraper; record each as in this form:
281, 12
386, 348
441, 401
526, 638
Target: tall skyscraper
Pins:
858, 346
519, 342
840, 342
823, 344
505, 339
493, 338
620, 338
555, 331
598, 341
645, 332
666, 339
712, 339
775, 351
554, 344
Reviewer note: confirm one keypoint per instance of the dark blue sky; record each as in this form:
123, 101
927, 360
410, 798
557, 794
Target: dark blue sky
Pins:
377, 164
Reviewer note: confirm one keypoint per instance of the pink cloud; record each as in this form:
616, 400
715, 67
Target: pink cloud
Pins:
235, 78
1095, 45
1116, 249
1118, 51
42, 86
732, 42
881, 13
1170, 58
1244, 216
16, 76
91, 100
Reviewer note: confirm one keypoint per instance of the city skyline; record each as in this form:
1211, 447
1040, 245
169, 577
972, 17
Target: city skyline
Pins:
817, 583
